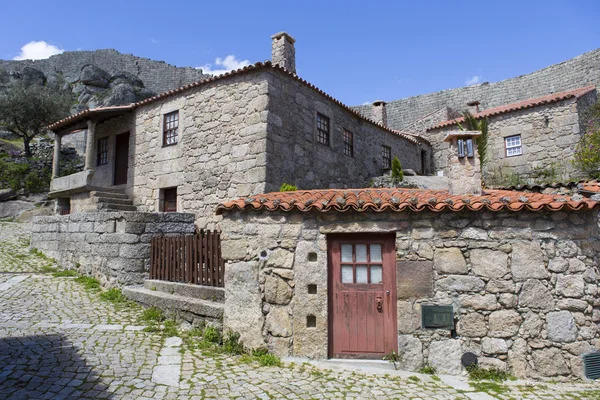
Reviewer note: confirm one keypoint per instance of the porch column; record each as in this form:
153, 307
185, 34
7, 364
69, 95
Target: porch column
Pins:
90, 145
56, 159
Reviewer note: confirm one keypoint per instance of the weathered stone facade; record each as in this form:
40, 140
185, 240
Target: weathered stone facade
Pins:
524, 286
113, 247
549, 135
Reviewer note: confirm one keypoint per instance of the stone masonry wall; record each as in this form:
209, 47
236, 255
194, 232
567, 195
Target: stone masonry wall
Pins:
524, 286
113, 247
577, 72
296, 157
549, 135
220, 152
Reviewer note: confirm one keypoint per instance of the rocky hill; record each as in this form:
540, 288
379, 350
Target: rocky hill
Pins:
101, 77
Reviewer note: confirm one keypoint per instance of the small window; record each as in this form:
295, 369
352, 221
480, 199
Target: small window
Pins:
513, 146
170, 128
386, 157
348, 143
169, 200
323, 129
362, 263
102, 156
465, 148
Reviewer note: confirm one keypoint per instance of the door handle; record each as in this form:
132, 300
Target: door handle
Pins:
379, 303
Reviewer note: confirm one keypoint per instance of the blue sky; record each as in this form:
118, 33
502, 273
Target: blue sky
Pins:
356, 51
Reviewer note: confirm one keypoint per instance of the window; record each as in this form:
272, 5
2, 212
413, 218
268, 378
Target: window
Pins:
362, 263
102, 148
386, 157
170, 128
348, 143
323, 129
465, 148
513, 146
169, 200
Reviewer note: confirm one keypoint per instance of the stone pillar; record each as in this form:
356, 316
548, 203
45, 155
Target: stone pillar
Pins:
283, 52
379, 113
56, 159
464, 170
90, 145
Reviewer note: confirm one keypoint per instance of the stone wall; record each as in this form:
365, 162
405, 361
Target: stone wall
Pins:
524, 286
296, 157
104, 175
577, 72
549, 135
113, 247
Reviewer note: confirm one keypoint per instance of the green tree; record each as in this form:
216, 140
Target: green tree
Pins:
286, 187
397, 173
26, 110
473, 124
587, 153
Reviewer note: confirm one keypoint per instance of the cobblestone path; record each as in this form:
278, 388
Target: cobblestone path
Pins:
61, 341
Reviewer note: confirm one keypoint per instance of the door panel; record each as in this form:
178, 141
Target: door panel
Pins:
362, 296
121, 158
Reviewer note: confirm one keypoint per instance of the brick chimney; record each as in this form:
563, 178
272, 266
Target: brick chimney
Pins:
378, 112
464, 171
283, 51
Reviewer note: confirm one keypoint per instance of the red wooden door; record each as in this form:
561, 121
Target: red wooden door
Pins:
362, 304
121, 158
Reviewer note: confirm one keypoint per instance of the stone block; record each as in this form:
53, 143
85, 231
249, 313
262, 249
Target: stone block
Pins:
500, 286
494, 346
534, 294
532, 325
472, 325
277, 291
528, 261
460, 283
550, 362
489, 263
450, 261
492, 363
444, 356
409, 317
478, 302
135, 251
278, 322
561, 326
504, 323
280, 258
234, 249
570, 285
410, 350
572, 304
414, 279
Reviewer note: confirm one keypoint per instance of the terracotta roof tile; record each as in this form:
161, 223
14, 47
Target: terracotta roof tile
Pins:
250, 68
589, 187
380, 200
551, 98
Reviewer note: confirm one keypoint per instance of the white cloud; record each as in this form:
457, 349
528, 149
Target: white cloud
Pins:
367, 103
37, 51
473, 80
153, 41
228, 63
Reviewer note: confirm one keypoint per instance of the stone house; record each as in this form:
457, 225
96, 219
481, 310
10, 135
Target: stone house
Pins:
510, 277
529, 140
237, 134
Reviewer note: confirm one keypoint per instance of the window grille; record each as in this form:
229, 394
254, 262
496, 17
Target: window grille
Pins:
102, 156
348, 143
170, 128
386, 156
323, 129
513, 146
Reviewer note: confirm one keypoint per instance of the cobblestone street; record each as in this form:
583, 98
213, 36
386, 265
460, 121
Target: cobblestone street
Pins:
59, 340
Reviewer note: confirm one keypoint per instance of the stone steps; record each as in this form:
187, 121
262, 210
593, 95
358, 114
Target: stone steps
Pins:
115, 207
126, 201
112, 200
215, 294
177, 304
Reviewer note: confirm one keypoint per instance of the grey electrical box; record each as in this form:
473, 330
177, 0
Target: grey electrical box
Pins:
437, 317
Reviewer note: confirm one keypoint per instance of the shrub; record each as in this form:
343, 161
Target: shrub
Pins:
67, 273
269, 360
211, 335
427, 369
397, 173
287, 188
477, 373
232, 344
587, 153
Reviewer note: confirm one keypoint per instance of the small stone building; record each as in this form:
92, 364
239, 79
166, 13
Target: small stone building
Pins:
529, 140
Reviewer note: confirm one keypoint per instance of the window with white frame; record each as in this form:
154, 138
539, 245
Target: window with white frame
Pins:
513, 146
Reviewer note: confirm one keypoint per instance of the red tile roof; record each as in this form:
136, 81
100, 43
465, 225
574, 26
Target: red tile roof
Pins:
379, 200
551, 98
250, 68
589, 187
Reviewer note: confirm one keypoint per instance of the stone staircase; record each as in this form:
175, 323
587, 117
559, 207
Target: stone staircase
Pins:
192, 303
111, 200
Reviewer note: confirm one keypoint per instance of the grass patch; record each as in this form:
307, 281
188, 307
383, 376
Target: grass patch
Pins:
269, 360
46, 269
170, 328
489, 387
427, 369
492, 374
88, 283
232, 344
153, 314
113, 295
414, 378
211, 335
67, 273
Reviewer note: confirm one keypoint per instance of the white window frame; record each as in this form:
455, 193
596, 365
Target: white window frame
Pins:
513, 146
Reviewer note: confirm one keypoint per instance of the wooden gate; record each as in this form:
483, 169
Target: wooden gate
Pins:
192, 259
362, 279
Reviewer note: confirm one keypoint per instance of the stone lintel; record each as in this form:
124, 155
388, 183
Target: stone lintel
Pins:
288, 37
461, 135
